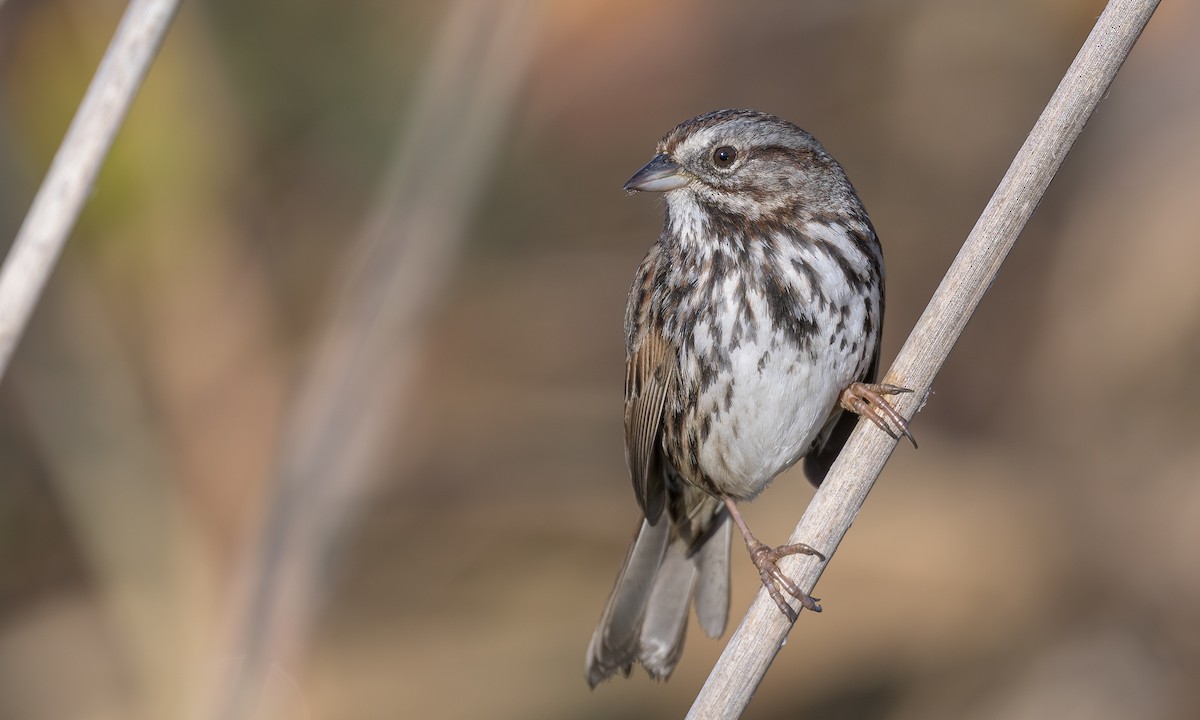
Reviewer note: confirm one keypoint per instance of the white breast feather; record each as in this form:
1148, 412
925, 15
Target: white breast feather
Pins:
779, 403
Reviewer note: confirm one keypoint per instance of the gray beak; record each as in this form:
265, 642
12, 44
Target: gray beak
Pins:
659, 175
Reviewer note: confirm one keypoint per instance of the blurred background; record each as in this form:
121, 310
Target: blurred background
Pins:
325, 394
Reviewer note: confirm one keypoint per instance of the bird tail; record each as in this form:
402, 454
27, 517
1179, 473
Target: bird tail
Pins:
645, 618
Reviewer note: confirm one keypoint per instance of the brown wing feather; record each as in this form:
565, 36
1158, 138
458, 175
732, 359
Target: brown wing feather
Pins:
649, 375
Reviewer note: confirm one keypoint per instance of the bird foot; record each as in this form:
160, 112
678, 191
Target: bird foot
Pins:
766, 559
867, 400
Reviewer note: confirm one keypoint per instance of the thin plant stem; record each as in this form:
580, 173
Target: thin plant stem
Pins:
745, 660
68, 183
350, 406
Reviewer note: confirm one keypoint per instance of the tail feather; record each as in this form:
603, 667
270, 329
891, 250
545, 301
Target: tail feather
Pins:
645, 618
660, 644
712, 584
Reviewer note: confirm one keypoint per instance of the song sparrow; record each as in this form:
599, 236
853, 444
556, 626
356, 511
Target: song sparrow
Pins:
753, 325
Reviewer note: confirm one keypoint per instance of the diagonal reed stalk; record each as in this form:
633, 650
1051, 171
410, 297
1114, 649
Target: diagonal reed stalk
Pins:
350, 404
763, 631
68, 183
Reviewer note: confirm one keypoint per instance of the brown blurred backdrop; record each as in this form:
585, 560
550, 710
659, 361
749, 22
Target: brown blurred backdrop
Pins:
1036, 558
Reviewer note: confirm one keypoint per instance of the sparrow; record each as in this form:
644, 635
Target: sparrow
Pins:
752, 337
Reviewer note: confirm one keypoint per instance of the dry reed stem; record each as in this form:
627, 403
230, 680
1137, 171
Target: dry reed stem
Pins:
68, 183
745, 660
350, 406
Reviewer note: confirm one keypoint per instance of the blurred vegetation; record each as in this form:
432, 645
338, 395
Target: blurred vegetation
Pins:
1034, 559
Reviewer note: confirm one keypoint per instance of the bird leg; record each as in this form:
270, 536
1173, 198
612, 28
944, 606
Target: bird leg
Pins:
867, 400
766, 559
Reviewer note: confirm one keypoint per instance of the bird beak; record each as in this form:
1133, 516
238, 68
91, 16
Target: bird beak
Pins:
659, 175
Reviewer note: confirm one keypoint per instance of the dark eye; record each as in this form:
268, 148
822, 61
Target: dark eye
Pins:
724, 156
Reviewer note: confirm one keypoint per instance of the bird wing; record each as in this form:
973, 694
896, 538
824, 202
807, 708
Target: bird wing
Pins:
649, 376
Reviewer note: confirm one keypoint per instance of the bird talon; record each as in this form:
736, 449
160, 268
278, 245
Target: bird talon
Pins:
867, 400
766, 559
882, 425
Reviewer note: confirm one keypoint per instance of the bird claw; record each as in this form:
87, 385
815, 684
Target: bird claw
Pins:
867, 400
766, 559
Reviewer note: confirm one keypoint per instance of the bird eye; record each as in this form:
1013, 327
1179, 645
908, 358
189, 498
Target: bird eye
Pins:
724, 156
